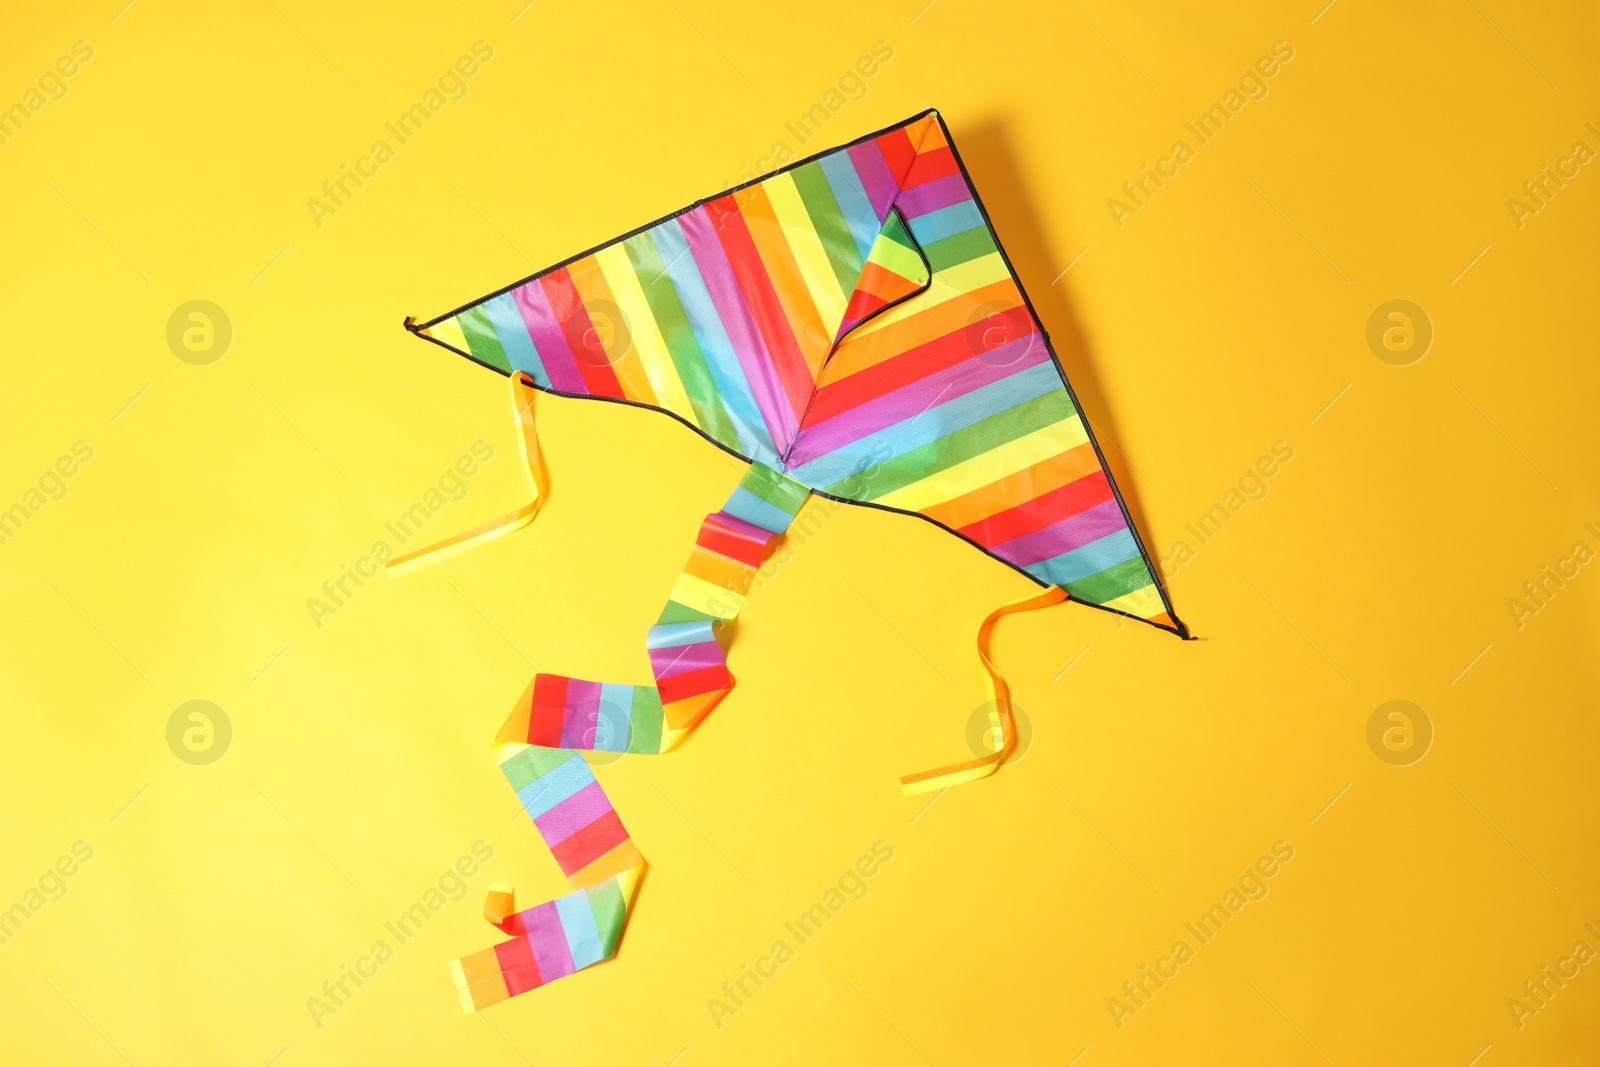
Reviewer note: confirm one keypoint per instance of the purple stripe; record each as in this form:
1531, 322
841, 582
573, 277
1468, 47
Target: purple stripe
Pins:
875, 176
548, 340
573, 814
548, 940
929, 196
1072, 532
748, 530
760, 371
917, 397
669, 661
583, 706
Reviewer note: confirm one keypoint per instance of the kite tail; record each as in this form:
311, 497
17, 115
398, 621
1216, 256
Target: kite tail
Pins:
522, 397
557, 717
1003, 728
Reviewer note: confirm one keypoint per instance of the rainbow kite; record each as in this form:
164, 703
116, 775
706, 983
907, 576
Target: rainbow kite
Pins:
850, 327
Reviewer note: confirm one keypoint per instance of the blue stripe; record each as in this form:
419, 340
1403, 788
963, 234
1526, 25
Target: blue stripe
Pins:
613, 719
946, 222
732, 389
577, 922
514, 338
744, 504
1088, 559
675, 634
931, 425
852, 198
555, 785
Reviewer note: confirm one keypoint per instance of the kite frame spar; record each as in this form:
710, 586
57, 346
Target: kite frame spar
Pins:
1182, 629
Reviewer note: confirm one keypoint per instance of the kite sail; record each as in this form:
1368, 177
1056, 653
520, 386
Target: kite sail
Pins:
850, 327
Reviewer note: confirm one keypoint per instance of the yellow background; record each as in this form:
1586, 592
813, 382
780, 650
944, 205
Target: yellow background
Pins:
1223, 317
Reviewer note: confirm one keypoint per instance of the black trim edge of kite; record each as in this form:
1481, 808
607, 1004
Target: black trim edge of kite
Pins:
1155, 572
608, 242
1182, 630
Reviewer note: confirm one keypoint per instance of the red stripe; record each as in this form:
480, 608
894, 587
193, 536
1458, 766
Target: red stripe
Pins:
694, 683
761, 298
898, 152
862, 304
549, 708
910, 366
578, 329
590, 843
1030, 516
517, 965
731, 543
932, 164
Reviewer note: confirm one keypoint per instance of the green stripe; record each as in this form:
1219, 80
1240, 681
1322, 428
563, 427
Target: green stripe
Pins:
982, 436
1112, 582
668, 312
828, 221
960, 248
474, 322
783, 493
676, 612
645, 734
898, 251
533, 763
605, 900
894, 229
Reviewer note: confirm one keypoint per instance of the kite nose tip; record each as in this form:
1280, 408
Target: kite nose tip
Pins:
410, 324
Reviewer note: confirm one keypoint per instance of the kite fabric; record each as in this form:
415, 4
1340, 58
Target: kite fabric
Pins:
850, 327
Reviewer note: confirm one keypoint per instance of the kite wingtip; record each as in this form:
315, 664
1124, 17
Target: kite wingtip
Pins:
1167, 621
410, 323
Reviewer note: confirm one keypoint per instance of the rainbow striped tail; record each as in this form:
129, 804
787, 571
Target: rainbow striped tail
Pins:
558, 717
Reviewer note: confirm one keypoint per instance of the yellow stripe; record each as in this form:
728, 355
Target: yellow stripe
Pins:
991, 466
648, 343
815, 271
449, 331
947, 284
458, 977
701, 595
1144, 603
895, 256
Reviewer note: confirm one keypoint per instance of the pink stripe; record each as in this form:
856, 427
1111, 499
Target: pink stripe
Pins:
875, 176
669, 661
912, 400
548, 340
1072, 532
549, 941
573, 814
748, 345
929, 196
583, 706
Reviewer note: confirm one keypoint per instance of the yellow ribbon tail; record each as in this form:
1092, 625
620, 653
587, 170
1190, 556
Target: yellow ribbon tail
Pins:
999, 696
532, 461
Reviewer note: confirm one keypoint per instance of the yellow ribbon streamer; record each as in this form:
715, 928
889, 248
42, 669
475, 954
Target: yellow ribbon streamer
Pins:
532, 462
999, 695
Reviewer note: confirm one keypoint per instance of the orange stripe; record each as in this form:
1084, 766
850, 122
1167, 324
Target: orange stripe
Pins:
685, 713
597, 298
719, 570
783, 270
484, 980
1030, 482
624, 857
882, 282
